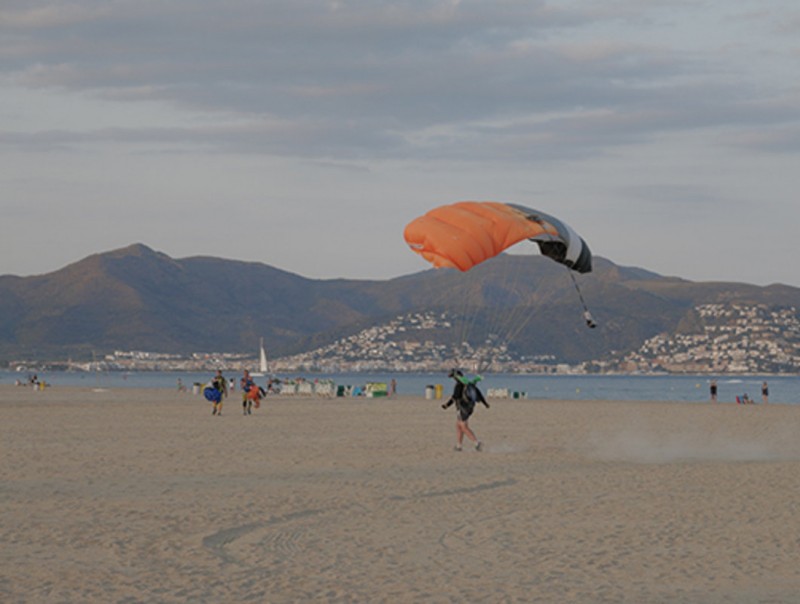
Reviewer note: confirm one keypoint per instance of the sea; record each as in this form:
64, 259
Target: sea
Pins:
679, 388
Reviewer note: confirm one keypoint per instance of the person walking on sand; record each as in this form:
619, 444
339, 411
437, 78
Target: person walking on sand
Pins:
465, 395
247, 401
214, 391
713, 390
765, 393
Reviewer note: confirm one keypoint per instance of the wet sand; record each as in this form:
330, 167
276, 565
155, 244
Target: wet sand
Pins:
144, 496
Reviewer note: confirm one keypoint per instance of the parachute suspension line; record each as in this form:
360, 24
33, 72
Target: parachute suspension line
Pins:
465, 316
524, 317
511, 321
481, 325
496, 319
504, 319
462, 315
586, 314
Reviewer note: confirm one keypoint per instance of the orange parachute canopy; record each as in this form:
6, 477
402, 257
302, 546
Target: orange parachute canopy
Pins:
466, 233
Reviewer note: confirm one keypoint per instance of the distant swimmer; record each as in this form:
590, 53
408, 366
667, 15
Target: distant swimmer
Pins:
214, 392
465, 395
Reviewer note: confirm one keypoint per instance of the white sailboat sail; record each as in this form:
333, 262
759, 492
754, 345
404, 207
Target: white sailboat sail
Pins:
262, 360
263, 367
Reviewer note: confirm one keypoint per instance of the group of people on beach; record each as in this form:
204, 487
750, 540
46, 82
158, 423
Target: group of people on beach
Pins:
465, 396
745, 398
217, 390
34, 382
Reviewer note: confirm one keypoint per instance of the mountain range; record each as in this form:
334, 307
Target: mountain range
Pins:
136, 298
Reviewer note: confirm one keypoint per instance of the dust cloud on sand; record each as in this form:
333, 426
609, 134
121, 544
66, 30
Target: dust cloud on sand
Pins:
640, 441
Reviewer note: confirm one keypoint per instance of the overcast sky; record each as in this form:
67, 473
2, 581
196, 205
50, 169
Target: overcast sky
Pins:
306, 134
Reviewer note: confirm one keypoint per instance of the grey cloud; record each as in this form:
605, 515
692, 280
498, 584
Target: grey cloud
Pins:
778, 139
321, 139
463, 80
675, 195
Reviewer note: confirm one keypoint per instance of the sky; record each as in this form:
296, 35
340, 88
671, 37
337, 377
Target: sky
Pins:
306, 134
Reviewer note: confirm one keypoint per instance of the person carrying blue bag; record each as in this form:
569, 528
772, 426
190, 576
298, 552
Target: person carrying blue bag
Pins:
214, 392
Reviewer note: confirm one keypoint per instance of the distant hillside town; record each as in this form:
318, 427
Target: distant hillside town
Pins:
734, 338
730, 338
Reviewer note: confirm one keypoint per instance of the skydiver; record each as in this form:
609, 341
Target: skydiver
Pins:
247, 401
465, 395
214, 392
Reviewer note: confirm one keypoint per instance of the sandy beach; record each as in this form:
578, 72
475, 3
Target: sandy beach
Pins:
143, 496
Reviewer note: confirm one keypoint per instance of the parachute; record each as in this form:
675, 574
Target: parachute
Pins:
254, 393
212, 394
464, 234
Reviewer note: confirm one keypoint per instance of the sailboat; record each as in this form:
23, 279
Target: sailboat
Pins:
263, 368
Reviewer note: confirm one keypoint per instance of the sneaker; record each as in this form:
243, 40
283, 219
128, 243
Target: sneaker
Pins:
479, 446
457, 448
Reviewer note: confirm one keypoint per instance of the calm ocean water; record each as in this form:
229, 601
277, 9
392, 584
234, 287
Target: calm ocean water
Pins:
691, 389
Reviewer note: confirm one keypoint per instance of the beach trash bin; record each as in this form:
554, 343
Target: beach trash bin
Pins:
439, 390
196, 388
516, 394
430, 392
340, 390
